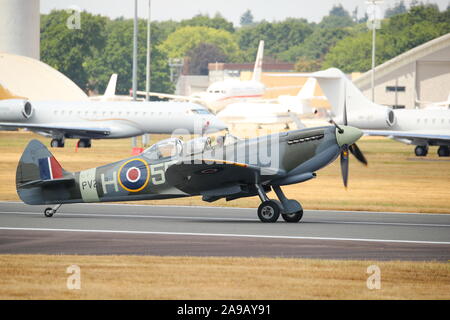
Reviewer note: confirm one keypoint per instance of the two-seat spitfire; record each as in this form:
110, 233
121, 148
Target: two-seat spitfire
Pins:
229, 168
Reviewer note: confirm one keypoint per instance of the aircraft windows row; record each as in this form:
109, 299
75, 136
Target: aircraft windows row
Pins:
118, 113
433, 121
306, 139
395, 89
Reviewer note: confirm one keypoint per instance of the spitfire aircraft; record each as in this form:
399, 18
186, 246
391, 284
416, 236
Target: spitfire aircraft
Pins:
227, 167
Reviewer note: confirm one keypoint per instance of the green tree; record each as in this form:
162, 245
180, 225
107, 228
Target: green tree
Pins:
278, 37
246, 18
117, 57
399, 8
339, 11
420, 24
217, 22
202, 55
66, 49
331, 29
304, 65
180, 42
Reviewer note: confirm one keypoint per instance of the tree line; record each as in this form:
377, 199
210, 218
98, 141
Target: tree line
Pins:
102, 46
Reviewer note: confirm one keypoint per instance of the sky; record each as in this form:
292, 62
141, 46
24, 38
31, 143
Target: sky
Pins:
270, 10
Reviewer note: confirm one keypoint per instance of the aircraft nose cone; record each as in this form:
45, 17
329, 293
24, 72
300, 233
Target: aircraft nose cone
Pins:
215, 124
349, 136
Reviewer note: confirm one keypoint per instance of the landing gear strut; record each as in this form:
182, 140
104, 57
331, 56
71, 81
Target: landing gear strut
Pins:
49, 212
269, 210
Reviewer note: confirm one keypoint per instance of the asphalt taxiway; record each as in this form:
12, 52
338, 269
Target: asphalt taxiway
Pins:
101, 229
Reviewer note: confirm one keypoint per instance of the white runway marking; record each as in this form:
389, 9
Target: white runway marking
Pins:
237, 219
227, 235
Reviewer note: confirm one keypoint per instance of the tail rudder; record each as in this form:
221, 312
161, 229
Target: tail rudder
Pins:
111, 87
37, 167
257, 70
340, 90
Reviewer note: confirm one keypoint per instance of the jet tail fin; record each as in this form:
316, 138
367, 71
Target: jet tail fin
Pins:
257, 70
341, 91
307, 91
37, 169
111, 87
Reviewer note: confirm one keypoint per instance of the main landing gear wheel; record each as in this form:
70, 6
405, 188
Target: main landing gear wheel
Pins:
443, 151
293, 217
57, 143
421, 151
84, 143
269, 211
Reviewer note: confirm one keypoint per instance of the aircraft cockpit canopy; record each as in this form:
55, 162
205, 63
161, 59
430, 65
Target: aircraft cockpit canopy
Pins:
168, 148
199, 111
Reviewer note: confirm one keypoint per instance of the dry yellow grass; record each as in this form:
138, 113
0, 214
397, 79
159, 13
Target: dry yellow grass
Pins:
395, 179
148, 277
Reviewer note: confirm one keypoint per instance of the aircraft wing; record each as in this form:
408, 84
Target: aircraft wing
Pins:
215, 179
78, 129
410, 135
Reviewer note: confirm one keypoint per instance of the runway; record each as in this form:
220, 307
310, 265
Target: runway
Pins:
104, 229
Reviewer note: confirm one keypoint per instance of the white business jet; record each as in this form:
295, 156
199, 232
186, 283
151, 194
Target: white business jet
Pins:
420, 127
86, 120
285, 110
221, 93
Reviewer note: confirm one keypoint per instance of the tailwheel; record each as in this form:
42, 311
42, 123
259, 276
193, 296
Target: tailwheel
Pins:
269, 211
49, 212
293, 217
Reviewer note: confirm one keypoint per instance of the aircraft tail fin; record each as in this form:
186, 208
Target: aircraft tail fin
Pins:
111, 88
38, 168
307, 91
341, 91
257, 70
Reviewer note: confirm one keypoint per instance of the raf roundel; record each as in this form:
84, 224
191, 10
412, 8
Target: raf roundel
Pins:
134, 175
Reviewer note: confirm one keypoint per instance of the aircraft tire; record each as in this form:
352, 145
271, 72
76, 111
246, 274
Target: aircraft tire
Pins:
56, 143
84, 143
269, 211
49, 212
421, 151
293, 217
443, 151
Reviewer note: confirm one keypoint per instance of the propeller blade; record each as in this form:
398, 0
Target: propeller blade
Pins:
345, 105
354, 149
344, 165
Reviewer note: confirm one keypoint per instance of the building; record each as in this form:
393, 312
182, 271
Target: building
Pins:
422, 73
32, 79
20, 27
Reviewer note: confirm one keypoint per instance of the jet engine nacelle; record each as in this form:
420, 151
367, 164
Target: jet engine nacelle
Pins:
372, 118
15, 110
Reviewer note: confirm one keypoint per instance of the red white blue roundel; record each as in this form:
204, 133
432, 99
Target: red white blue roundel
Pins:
134, 175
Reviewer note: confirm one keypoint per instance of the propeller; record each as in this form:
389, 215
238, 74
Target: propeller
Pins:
353, 149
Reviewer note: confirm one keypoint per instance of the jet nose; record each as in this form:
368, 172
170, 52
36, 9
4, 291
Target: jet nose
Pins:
215, 124
348, 135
